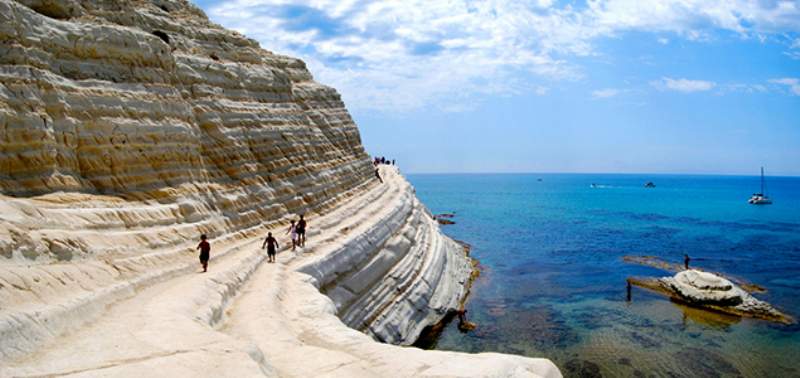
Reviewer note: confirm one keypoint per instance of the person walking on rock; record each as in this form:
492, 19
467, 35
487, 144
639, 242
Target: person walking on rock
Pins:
378, 175
301, 232
272, 246
686, 260
293, 231
205, 252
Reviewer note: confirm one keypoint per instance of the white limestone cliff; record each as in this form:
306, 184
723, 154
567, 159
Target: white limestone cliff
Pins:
128, 128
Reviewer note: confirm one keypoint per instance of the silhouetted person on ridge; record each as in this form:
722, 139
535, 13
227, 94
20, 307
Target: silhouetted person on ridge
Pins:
301, 232
205, 252
272, 245
686, 260
378, 175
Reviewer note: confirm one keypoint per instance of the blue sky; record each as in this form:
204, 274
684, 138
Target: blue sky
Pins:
671, 86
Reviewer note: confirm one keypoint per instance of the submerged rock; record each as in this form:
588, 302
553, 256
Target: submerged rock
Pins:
582, 368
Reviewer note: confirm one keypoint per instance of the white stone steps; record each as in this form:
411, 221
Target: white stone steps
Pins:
395, 257
398, 284
75, 312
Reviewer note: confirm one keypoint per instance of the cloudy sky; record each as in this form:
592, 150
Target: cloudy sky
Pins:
671, 86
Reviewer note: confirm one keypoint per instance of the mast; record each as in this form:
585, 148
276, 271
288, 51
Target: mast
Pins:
762, 182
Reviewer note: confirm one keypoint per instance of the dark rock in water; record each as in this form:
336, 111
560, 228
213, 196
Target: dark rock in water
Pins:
582, 368
624, 361
444, 218
704, 363
466, 326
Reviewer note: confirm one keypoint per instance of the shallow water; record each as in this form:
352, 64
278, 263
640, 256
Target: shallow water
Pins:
553, 279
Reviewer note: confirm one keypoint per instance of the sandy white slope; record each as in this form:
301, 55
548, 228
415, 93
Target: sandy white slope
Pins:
246, 317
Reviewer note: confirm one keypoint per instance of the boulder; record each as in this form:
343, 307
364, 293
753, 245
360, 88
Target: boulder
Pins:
703, 287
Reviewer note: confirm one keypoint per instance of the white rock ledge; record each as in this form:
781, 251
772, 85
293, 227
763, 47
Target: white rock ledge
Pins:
713, 292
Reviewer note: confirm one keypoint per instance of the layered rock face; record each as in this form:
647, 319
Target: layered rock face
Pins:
127, 129
130, 128
394, 292
143, 100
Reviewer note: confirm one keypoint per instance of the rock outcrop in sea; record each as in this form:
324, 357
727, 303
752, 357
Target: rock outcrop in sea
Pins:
129, 128
713, 292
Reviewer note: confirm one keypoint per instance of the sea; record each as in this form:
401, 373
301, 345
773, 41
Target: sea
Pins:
552, 278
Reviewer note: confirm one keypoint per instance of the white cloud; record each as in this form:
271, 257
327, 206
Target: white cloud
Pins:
792, 83
794, 49
745, 88
418, 53
663, 41
540, 91
605, 93
683, 85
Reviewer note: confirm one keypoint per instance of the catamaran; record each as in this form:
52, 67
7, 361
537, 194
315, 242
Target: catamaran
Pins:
761, 197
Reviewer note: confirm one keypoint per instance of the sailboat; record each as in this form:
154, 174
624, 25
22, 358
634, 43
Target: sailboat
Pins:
760, 198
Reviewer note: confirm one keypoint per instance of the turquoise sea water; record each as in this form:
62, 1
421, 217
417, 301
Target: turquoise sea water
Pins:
553, 279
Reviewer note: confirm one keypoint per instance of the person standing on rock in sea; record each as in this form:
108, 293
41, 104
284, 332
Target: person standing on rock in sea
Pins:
272, 245
293, 231
205, 252
686, 260
301, 232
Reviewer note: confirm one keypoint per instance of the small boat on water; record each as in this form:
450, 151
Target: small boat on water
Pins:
649, 185
761, 197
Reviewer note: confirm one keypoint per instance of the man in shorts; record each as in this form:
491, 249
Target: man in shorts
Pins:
205, 252
272, 245
301, 232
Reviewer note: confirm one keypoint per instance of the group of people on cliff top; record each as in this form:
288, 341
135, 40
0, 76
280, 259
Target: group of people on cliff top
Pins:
297, 229
378, 161
382, 160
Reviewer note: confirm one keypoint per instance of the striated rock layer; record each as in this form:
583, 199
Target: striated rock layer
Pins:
129, 128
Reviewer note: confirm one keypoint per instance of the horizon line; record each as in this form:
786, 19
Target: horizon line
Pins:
596, 173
